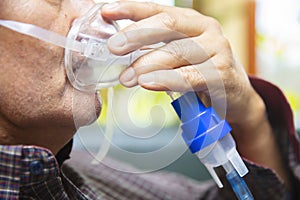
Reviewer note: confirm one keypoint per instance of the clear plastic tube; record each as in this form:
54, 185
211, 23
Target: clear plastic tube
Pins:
109, 129
237, 183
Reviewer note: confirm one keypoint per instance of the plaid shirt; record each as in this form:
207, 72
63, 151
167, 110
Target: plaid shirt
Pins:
29, 172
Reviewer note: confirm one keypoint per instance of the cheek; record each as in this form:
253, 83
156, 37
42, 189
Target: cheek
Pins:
30, 103
33, 85
32, 80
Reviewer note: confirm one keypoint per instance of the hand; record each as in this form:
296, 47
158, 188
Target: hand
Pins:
196, 57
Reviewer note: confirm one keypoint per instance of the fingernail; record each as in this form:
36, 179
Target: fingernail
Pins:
118, 40
127, 76
111, 6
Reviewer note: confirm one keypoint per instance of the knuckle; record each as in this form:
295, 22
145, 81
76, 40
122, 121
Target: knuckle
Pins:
193, 78
213, 21
224, 63
177, 51
168, 21
225, 42
143, 61
189, 12
214, 24
152, 6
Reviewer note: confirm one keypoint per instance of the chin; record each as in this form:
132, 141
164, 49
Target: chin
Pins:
85, 108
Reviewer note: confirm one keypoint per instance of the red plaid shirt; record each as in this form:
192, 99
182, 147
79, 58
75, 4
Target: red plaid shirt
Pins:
28, 172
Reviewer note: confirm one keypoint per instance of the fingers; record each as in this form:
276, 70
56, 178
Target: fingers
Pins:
194, 46
128, 41
191, 78
167, 80
196, 55
130, 10
155, 23
133, 10
176, 54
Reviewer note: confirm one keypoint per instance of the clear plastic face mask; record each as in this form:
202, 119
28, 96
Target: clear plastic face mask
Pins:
89, 64
95, 67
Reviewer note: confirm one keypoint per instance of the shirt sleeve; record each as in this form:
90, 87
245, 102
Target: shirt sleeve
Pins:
263, 182
281, 118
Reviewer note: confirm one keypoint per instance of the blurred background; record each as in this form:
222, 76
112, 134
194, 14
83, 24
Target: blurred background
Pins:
146, 134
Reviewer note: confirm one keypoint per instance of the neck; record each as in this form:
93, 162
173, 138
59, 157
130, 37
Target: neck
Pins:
52, 138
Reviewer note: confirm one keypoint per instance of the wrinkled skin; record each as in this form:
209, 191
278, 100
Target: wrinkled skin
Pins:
36, 99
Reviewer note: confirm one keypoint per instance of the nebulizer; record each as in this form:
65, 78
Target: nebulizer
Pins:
90, 66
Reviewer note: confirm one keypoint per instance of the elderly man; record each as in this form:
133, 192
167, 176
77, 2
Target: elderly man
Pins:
37, 101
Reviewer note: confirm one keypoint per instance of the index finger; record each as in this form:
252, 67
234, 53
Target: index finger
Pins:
132, 10
181, 20
155, 22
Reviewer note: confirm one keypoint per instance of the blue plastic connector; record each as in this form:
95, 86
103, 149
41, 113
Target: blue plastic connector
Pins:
201, 126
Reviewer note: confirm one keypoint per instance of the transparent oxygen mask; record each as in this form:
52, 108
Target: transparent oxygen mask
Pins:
94, 67
89, 64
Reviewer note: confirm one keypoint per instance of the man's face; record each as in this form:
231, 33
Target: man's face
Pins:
34, 90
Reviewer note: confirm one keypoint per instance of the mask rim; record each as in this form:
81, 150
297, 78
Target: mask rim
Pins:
72, 35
